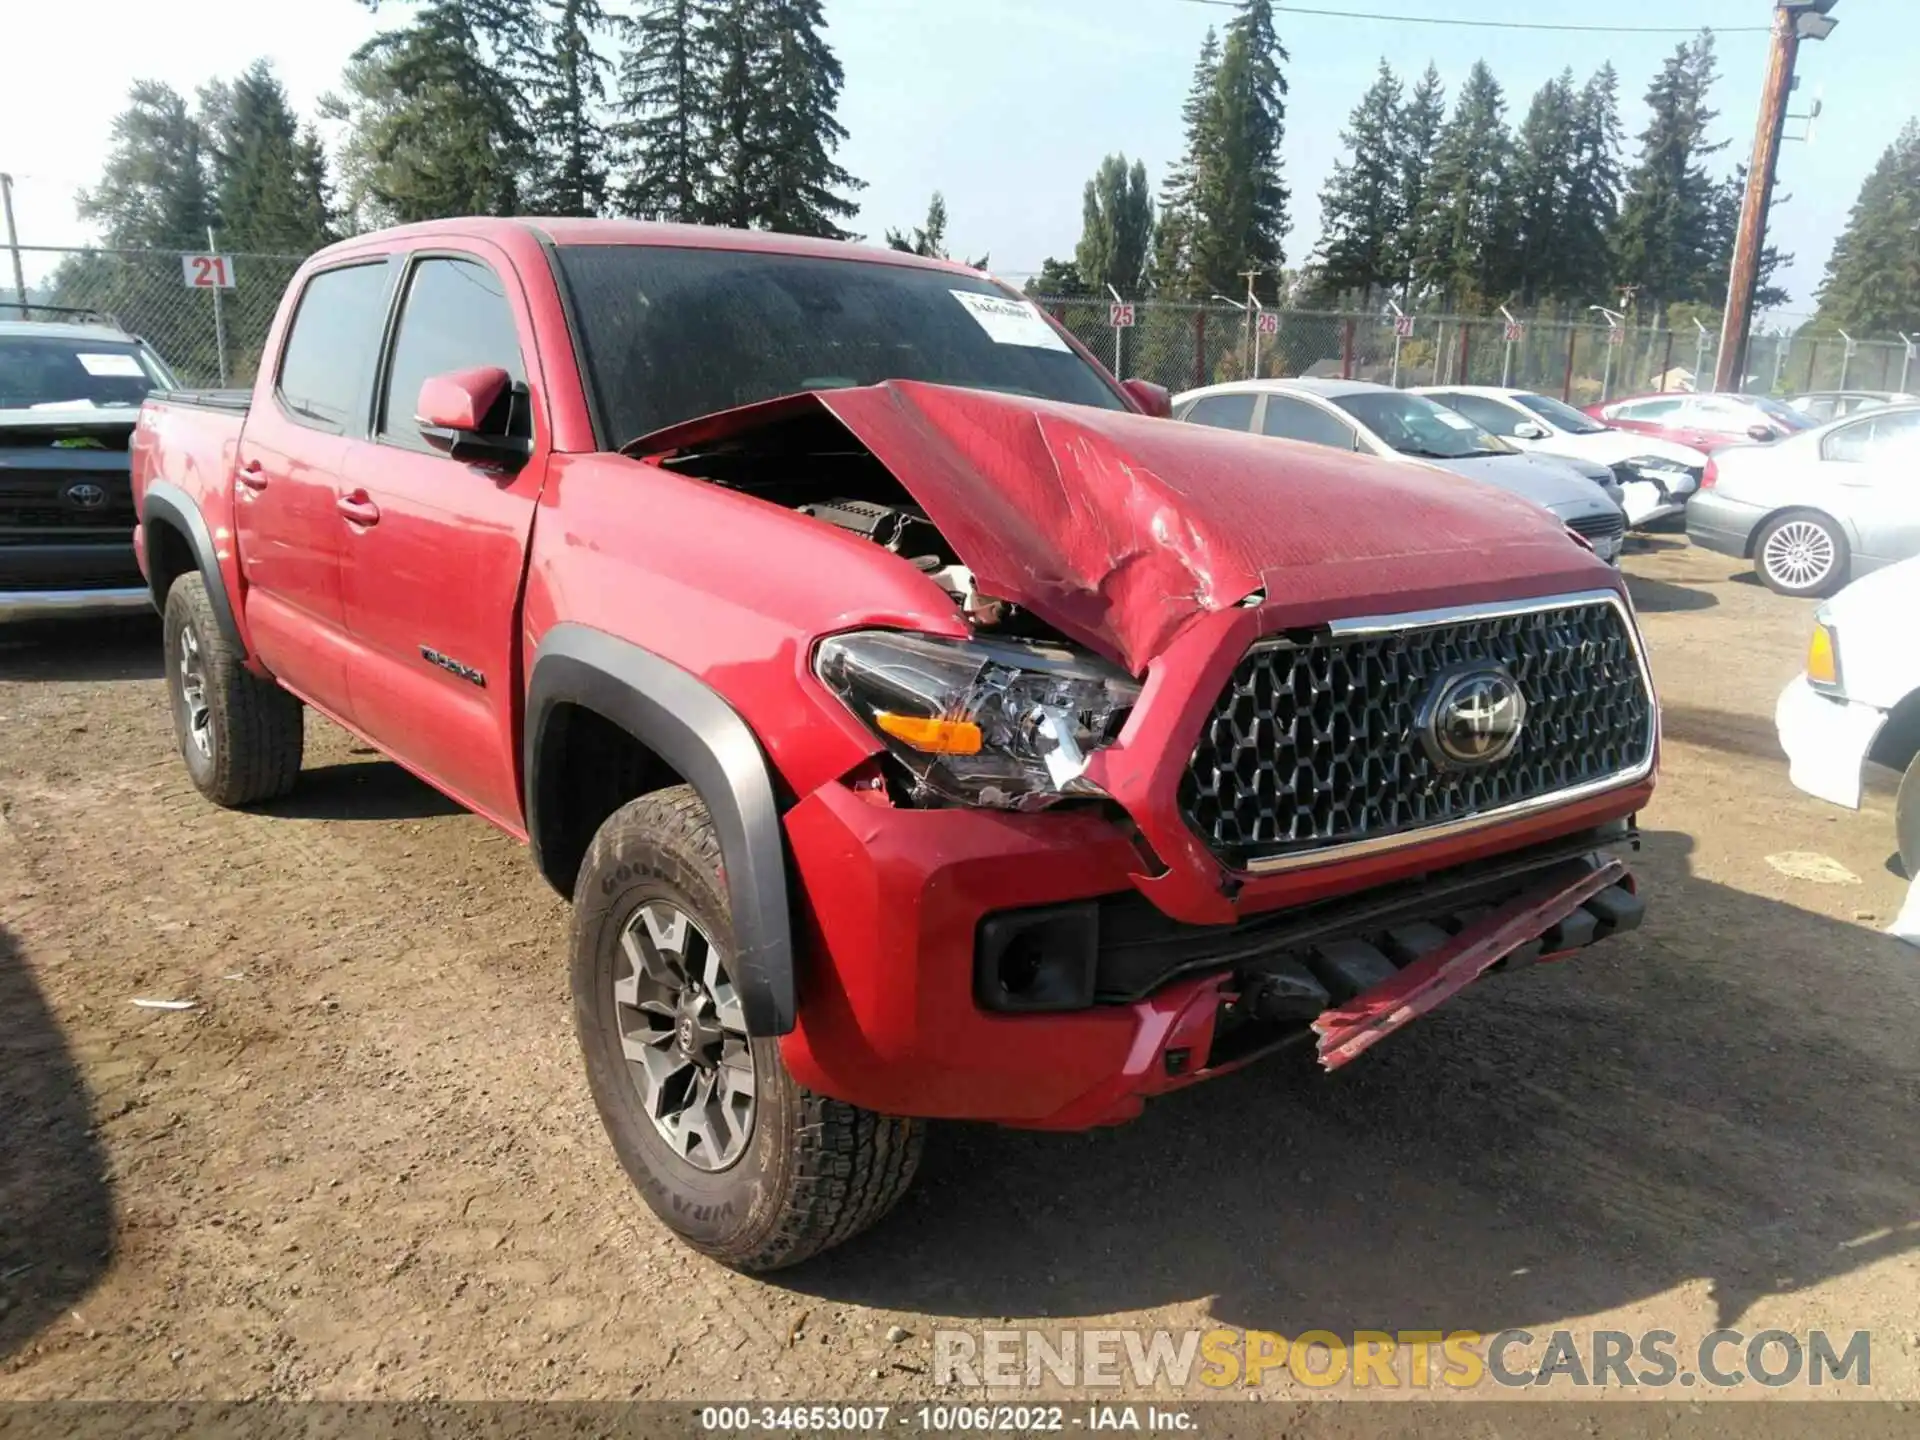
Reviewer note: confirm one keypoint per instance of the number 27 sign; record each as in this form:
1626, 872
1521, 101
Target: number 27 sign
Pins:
208, 272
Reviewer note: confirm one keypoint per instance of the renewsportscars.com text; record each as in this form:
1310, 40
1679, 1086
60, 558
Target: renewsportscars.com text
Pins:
1406, 1359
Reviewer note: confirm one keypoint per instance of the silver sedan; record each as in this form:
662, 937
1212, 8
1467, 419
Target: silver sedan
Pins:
1818, 508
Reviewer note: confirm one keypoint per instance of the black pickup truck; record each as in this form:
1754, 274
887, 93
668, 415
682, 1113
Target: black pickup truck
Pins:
70, 396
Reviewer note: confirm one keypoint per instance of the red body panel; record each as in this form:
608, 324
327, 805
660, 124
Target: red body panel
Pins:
1705, 441
1168, 548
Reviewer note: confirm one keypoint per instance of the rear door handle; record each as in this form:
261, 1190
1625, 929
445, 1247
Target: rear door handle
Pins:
253, 475
358, 508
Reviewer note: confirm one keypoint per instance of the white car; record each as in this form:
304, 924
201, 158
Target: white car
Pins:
1820, 507
1656, 476
1859, 700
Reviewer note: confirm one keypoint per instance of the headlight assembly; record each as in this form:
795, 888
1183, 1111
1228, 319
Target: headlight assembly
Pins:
997, 723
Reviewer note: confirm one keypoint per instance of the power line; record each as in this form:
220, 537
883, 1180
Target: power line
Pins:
1282, 9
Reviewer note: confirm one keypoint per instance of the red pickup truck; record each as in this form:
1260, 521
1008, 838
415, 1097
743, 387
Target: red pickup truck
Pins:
921, 725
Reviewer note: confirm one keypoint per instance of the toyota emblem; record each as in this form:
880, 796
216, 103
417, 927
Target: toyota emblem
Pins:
86, 495
1473, 717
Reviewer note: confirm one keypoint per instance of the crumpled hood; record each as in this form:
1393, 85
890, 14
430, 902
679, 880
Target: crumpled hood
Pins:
1119, 529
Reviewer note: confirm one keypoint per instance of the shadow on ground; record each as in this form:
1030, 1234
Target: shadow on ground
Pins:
1559, 1142
361, 790
121, 648
1728, 731
56, 1202
1656, 597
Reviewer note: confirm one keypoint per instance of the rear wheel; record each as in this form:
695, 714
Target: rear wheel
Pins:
241, 736
737, 1157
1906, 819
1801, 553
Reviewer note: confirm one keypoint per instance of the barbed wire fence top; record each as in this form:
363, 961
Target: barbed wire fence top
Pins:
1181, 345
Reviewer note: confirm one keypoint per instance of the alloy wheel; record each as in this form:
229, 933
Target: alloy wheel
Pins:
684, 1035
193, 693
1799, 554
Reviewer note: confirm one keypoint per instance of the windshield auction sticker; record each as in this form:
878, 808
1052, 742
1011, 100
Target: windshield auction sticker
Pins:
1011, 322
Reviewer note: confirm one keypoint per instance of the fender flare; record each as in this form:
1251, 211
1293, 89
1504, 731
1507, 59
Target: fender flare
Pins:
692, 729
168, 502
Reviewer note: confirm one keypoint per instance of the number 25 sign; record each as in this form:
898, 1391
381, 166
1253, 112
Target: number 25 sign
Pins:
208, 272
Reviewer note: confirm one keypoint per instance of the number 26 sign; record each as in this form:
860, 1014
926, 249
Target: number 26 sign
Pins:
207, 272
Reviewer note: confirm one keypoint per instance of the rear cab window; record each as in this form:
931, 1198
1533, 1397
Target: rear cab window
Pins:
329, 352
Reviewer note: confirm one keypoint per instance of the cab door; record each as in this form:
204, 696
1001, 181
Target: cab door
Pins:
286, 480
434, 549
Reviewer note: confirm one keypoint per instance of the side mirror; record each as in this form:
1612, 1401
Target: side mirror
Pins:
1762, 433
1152, 398
467, 415
1527, 430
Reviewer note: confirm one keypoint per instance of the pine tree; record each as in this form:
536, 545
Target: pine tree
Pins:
733, 37
153, 190
1116, 232
1240, 197
1543, 167
1593, 191
805, 186
1416, 135
663, 129
1058, 278
437, 113
1723, 229
269, 174
1872, 283
1665, 241
1467, 233
569, 88
930, 239
1362, 204
1173, 242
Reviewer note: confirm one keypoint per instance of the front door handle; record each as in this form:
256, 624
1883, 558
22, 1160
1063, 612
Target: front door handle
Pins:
358, 508
253, 475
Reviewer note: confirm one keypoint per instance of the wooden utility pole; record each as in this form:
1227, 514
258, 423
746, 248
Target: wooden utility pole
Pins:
13, 245
1791, 18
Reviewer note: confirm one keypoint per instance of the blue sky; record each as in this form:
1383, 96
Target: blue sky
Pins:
1008, 105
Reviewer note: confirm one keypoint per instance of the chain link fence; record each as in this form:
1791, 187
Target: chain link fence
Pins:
215, 337
209, 336
1183, 346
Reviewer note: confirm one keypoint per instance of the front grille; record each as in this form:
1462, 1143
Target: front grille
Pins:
36, 505
1314, 743
1599, 527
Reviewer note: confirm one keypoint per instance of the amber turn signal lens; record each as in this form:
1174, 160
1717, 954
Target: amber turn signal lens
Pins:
933, 737
1823, 666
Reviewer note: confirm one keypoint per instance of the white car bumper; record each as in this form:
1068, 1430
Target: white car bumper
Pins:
1646, 502
1826, 741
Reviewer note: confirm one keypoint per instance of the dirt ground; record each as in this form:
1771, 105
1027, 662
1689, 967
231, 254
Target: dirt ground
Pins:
366, 1164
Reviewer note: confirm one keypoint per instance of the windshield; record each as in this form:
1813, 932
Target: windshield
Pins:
670, 334
1414, 425
1780, 414
1561, 415
45, 372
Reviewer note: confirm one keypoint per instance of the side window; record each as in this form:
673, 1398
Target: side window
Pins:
1488, 414
1874, 438
1824, 408
330, 346
1291, 419
455, 317
1223, 412
1723, 417
1647, 410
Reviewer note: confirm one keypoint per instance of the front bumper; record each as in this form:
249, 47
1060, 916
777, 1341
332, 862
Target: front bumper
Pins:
1716, 523
1827, 740
894, 902
73, 604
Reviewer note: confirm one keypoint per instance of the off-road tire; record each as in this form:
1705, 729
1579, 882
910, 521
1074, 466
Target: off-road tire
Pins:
1906, 819
1809, 521
815, 1171
256, 728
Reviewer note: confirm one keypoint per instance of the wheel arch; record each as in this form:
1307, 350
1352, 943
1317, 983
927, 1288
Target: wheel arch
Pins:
178, 541
1899, 738
685, 733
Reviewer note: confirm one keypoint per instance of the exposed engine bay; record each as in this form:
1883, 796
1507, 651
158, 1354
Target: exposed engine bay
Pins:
811, 464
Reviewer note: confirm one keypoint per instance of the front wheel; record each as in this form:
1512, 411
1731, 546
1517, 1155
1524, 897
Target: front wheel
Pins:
241, 736
738, 1158
1801, 553
1906, 819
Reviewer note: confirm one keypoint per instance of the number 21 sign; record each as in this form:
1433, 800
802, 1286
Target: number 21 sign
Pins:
208, 272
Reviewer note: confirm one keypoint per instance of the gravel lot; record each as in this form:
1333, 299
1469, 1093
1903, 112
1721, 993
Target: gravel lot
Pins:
366, 1164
